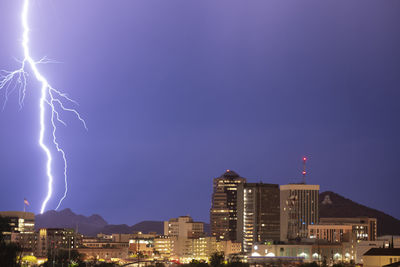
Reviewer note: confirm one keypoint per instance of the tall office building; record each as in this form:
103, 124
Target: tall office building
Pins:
299, 208
223, 213
258, 214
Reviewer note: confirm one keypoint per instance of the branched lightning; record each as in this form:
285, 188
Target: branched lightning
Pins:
50, 97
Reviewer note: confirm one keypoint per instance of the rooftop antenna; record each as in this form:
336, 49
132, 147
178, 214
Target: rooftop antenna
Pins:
304, 170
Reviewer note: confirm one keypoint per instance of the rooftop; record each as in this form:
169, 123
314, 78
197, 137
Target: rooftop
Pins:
383, 252
230, 174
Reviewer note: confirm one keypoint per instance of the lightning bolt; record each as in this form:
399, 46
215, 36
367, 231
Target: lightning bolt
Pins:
49, 98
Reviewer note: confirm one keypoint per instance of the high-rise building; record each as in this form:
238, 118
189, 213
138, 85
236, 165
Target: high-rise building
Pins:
299, 208
223, 213
258, 214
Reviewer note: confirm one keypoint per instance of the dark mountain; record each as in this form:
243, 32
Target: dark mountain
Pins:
93, 224
335, 205
67, 219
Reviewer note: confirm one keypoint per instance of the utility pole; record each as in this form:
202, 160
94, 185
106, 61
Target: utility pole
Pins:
69, 249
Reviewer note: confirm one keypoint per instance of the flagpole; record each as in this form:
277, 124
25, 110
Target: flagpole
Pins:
26, 203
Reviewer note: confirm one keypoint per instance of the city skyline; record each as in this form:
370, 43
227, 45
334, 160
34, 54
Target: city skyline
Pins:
176, 93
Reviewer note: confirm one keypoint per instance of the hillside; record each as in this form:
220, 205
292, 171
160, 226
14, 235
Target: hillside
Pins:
335, 205
68, 219
93, 224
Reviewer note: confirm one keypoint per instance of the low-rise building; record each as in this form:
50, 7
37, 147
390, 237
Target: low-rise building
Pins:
308, 252
229, 247
332, 232
184, 250
104, 244
377, 257
106, 254
362, 247
163, 246
392, 239
184, 226
143, 247
52, 239
364, 228
21, 230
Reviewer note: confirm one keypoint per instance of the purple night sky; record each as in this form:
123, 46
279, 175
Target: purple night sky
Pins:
176, 91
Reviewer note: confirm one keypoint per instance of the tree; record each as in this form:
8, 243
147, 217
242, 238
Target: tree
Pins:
196, 263
236, 262
217, 259
8, 251
64, 257
9, 254
4, 227
28, 259
311, 264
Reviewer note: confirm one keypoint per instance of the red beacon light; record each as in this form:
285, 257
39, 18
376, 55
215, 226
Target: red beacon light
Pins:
304, 159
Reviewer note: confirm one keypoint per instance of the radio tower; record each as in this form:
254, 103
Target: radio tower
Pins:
304, 170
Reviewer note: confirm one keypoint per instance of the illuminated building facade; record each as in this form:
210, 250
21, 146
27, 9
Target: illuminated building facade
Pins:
364, 228
308, 252
381, 257
299, 208
229, 247
184, 250
21, 230
184, 226
52, 239
223, 213
258, 214
331, 232
104, 254
164, 247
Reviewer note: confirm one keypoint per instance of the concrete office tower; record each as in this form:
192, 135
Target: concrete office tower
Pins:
299, 208
258, 214
184, 226
223, 213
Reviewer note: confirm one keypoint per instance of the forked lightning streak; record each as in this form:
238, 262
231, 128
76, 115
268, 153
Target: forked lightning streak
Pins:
50, 98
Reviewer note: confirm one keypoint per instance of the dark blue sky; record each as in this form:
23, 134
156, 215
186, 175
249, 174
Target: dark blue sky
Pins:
176, 91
